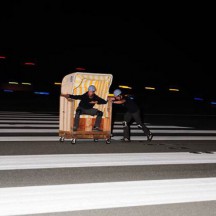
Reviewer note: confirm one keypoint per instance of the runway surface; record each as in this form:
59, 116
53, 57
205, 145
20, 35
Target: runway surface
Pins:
175, 174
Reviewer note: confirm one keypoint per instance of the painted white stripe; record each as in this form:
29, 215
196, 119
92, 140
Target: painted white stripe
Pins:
36, 130
100, 160
157, 126
27, 115
29, 118
116, 138
32, 113
171, 131
187, 115
29, 125
27, 121
11, 112
34, 121
57, 125
27, 130
75, 197
32, 138
120, 123
158, 138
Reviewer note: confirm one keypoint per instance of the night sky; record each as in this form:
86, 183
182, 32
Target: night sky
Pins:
167, 49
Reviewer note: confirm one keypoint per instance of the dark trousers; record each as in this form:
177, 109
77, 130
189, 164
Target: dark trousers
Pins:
92, 112
137, 118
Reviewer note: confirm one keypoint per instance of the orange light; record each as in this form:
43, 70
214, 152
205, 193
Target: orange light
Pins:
172, 89
125, 87
149, 88
57, 83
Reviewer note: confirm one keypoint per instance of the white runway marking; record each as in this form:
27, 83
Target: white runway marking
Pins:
75, 197
101, 160
30, 118
170, 131
13, 112
115, 138
29, 138
158, 138
27, 130
27, 113
120, 123
157, 126
27, 121
116, 126
29, 125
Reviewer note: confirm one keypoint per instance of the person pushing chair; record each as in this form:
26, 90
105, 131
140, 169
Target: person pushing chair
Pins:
132, 112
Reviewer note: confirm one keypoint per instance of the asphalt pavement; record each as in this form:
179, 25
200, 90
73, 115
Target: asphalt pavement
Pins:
175, 174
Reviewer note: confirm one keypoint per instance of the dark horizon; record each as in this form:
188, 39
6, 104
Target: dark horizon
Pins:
58, 38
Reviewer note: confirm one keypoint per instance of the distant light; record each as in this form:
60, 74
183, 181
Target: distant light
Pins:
42, 93
173, 89
149, 88
125, 87
13, 83
57, 83
23, 83
198, 99
80, 69
29, 63
2, 57
7, 90
111, 95
213, 103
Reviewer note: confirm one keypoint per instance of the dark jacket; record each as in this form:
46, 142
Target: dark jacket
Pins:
85, 100
130, 104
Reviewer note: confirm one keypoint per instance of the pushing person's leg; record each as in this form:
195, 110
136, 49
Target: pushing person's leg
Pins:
146, 131
126, 132
126, 127
142, 126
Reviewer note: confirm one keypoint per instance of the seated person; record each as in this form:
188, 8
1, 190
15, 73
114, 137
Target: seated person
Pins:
87, 102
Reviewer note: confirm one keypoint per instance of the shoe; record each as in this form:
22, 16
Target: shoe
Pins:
150, 137
96, 129
125, 140
74, 128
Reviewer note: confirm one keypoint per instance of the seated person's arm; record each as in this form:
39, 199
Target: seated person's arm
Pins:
101, 100
76, 97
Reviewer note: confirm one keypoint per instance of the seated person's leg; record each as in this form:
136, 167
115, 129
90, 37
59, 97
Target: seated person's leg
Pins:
94, 112
98, 119
77, 118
